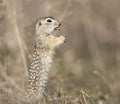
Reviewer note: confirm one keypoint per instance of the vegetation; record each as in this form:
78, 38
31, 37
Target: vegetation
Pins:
86, 68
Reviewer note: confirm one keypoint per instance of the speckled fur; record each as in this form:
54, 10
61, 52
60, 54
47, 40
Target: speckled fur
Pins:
41, 57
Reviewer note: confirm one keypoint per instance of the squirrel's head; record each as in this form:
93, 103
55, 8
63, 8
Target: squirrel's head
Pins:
47, 26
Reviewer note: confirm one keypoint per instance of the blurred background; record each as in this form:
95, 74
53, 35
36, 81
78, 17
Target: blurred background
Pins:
86, 66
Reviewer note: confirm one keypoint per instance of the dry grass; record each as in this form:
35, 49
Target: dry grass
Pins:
86, 69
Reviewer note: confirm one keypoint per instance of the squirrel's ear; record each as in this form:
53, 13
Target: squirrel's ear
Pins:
39, 23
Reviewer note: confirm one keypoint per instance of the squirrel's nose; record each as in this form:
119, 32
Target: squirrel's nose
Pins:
59, 24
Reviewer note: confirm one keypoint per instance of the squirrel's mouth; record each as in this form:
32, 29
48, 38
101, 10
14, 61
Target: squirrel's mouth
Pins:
58, 28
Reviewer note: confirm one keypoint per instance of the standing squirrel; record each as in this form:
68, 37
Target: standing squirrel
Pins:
42, 56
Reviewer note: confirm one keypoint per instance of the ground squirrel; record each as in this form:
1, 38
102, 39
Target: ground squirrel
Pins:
41, 56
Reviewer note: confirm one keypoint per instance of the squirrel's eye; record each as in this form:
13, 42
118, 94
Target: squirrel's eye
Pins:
49, 20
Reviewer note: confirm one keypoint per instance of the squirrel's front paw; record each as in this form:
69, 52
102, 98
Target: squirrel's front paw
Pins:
58, 41
62, 38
